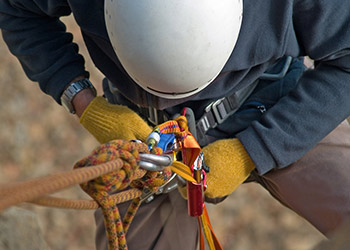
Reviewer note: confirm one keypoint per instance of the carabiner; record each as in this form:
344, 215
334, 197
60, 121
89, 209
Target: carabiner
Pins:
152, 162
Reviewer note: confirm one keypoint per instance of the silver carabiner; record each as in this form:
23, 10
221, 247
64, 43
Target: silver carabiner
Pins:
152, 162
147, 195
169, 186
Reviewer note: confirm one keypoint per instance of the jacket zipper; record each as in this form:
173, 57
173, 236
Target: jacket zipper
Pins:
253, 107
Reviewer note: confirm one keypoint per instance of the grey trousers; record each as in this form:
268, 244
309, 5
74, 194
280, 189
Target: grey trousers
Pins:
162, 224
317, 187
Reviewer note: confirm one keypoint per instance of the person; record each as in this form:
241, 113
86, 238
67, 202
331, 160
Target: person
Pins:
260, 115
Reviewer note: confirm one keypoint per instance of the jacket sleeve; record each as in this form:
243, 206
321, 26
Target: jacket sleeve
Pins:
35, 35
321, 100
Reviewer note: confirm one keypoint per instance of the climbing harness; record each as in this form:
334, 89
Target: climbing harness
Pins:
217, 111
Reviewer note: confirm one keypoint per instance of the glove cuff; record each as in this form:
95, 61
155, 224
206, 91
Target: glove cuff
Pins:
96, 119
108, 121
230, 166
243, 156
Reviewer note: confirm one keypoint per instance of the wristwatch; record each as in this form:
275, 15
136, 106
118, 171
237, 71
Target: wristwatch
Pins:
73, 89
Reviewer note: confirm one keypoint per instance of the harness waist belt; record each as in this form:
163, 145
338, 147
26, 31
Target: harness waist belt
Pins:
217, 111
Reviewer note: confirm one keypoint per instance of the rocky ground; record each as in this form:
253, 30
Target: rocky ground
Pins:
38, 138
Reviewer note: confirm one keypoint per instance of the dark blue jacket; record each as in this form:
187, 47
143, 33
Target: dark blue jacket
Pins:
271, 29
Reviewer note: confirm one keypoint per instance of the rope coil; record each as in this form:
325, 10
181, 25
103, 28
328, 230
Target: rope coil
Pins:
101, 187
109, 169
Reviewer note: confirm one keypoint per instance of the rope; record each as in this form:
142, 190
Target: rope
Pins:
26, 191
101, 187
111, 167
55, 202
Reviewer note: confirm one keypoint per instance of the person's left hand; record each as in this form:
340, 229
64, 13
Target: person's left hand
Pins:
230, 165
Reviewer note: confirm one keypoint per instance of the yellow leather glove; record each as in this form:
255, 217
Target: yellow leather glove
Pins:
230, 165
107, 122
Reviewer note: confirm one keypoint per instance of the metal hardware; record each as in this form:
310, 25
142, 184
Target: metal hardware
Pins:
205, 123
279, 75
169, 186
213, 106
197, 167
181, 181
217, 111
153, 116
152, 162
261, 108
147, 195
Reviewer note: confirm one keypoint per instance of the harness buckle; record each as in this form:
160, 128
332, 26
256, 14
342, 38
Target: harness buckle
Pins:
214, 114
279, 75
219, 111
153, 116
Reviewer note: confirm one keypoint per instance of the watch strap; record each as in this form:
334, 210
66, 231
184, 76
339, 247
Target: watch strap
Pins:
71, 91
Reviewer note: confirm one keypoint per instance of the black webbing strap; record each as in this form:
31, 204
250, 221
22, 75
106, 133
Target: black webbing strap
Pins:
218, 111
215, 113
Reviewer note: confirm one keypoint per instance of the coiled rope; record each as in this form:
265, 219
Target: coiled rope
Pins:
101, 187
111, 167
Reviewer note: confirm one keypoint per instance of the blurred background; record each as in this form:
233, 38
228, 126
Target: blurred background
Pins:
38, 138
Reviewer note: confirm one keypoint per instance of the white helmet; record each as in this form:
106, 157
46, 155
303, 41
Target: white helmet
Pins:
173, 48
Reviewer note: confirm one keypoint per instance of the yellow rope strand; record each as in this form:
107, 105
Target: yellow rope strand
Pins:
49, 201
33, 189
207, 232
100, 188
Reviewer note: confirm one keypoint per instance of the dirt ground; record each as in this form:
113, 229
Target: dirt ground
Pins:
38, 137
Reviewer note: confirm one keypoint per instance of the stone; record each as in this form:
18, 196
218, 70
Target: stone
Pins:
20, 230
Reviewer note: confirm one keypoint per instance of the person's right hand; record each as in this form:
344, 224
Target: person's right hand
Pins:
107, 122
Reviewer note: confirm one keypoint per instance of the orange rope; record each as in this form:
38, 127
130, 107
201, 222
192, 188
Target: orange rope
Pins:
56, 202
100, 188
33, 189
13, 194
111, 167
115, 169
